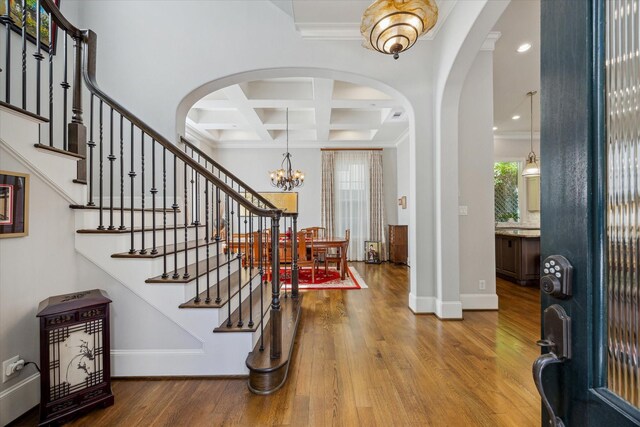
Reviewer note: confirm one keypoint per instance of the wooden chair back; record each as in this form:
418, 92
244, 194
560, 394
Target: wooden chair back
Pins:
305, 242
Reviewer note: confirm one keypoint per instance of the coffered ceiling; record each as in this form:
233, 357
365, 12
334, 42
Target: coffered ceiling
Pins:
322, 112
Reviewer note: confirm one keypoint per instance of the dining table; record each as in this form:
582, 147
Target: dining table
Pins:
334, 242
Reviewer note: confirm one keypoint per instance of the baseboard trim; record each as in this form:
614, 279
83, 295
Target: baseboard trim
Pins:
422, 305
19, 398
479, 301
450, 310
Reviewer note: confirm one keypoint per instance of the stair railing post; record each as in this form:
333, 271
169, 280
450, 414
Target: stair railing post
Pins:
76, 130
294, 258
276, 313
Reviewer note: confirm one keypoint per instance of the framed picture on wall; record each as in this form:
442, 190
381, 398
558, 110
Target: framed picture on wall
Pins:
15, 13
372, 252
14, 204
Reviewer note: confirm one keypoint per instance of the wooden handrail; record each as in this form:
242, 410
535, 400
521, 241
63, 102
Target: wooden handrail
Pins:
89, 40
60, 19
227, 173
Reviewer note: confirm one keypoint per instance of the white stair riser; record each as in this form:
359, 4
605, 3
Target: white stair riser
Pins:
90, 218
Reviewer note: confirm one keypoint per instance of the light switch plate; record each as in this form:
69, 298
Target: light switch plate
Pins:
463, 210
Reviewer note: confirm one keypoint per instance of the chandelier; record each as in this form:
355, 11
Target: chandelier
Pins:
285, 178
393, 26
532, 168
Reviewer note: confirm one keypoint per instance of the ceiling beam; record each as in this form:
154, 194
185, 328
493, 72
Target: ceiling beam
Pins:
236, 95
322, 95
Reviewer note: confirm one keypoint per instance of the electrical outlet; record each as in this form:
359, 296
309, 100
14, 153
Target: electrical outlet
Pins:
482, 285
6, 369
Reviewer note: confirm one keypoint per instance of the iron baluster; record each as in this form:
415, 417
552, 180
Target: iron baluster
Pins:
6, 19
196, 216
122, 226
153, 192
101, 154
92, 144
186, 222
261, 270
24, 53
165, 274
239, 255
294, 259
143, 249
218, 299
250, 270
111, 157
65, 88
229, 238
206, 236
50, 79
39, 57
132, 175
174, 206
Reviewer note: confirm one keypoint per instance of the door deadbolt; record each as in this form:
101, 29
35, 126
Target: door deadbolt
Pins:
557, 278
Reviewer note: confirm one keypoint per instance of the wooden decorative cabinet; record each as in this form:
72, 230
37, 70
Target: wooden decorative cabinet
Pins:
398, 243
74, 355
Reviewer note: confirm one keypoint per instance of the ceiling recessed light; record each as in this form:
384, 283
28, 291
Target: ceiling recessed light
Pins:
516, 117
524, 47
495, 128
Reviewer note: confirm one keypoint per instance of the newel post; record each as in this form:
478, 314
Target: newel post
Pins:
76, 130
276, 311
294, 259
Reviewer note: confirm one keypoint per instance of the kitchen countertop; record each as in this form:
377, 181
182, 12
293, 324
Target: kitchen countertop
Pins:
514, 232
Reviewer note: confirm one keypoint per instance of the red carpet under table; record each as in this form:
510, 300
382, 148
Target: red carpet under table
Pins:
329, 280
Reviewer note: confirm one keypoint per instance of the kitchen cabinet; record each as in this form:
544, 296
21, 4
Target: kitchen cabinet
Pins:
518, 256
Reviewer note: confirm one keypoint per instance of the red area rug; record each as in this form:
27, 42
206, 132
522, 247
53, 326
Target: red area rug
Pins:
329, 280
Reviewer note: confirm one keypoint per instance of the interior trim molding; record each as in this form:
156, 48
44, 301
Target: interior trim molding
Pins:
19, 398
449, 309
479, 301
422, 305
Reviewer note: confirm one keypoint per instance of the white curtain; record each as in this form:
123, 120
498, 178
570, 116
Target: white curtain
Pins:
352, 185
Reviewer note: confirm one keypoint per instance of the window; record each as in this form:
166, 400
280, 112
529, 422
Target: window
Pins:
505, 182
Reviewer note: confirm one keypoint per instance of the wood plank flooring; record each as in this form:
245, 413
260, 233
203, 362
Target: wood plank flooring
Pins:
362, 358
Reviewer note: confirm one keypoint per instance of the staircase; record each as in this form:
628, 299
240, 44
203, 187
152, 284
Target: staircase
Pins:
163, 218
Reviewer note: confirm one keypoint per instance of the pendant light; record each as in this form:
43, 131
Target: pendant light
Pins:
393, 26
532, 168
285, 178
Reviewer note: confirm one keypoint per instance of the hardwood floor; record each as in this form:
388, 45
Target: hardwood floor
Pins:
362, 358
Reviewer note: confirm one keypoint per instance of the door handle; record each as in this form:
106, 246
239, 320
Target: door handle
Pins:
557, 338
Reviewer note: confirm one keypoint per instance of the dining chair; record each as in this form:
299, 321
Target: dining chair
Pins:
337, 257
305, 241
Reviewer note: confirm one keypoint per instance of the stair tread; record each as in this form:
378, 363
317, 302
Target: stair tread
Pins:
170, 249
261, 361
128, 230
106, 208
60, 151
224, 291
10, 108
191, 268
254, 306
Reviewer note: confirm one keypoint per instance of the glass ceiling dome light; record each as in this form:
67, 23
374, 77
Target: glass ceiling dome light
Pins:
531, 168
285, 178
393, 26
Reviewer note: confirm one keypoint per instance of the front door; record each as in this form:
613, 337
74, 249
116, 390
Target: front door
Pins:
590, 159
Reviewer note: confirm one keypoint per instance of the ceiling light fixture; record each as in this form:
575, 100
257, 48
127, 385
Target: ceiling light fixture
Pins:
516, 117
531, 168
524, 47
284, 178
495, 128
393, 26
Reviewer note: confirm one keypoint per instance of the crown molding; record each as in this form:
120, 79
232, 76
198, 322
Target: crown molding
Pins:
516, 135
489, 43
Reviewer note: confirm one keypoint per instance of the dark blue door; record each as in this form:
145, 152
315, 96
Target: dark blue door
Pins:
590, 189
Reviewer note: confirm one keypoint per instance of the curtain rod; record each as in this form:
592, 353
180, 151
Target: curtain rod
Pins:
351, 149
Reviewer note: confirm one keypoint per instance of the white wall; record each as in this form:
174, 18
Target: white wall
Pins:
475, 165
45, 263
402, 187
253, 165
